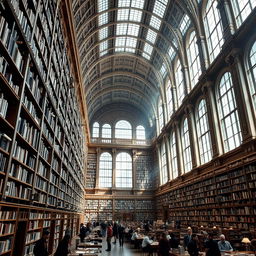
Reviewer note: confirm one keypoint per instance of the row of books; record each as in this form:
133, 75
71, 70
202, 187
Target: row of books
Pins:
31, 109
54, 179
3, 105
5, 141
6, 228
24, 155
28, 132
6, 245
19, 172
32, 236
8, 215
44, 151
53, 190
43, 169
41, 183
33, 224
16, 190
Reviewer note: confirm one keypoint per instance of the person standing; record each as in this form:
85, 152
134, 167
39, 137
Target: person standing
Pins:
193, 249
187, 237
115, 231
82, 232
63, 247
109, 236
41, 246
164, 246
211, 246
121, 235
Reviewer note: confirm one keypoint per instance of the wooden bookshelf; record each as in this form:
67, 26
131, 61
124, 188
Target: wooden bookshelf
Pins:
42, 142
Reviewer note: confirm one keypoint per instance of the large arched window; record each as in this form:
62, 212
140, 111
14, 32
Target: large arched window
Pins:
242, 8
193, 59
105, 170
123, 130
169, 99
123, 170
203, 132
179, 79
252, 73
174, 162
163, 172
106, 131
213, 29
96, 130
160, 115
230, 125
186, 146
140, 133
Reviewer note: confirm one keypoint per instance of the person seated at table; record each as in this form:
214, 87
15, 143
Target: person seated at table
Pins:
187, 237
164, 247
146, 242
173, 241
212, 248
193, 249
224, 245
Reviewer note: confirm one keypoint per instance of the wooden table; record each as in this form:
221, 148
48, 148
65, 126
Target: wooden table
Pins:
86, 252
90, 245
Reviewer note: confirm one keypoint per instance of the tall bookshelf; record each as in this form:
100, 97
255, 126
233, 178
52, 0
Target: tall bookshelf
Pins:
91, 170
41, 137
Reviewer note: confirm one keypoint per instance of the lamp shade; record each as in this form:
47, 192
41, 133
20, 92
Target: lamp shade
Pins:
246, 240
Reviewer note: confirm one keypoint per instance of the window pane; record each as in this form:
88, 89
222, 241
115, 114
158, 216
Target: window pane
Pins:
169, 99
252, 73
163, 173
123, 170
160, 116
179, 79
105, 170
96, 130
140, 133
106, 131
123, 130
230, 125
173, 149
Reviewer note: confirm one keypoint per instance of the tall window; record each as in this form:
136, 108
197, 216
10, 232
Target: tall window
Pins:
242, 9
96, 130
160, 115
252, 75
105, 170
186, 146
174, 162
140, 133
106, 131
230, 125
213, 29
203, 132
123, 170
164, 174
169, 99
193, 59
123, 130
179, 79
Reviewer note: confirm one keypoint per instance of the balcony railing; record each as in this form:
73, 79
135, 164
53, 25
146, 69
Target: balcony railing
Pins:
121, 141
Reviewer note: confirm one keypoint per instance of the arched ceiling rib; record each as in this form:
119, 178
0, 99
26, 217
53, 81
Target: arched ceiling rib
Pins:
126, 48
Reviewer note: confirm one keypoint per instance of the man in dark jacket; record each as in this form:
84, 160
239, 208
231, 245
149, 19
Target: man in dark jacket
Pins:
187, 237
121, 235
193, 246
211, 246
41, 246
63, 247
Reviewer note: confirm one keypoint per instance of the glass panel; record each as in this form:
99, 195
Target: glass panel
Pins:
123, 170
140, 133
186, 147
105, 170
123, 130
96, 130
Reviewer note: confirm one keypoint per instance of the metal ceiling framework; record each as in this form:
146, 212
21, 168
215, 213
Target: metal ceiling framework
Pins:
126, 48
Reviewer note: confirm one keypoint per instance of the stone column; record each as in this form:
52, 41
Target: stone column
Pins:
159, 162
134, 156
98, 150
113, 168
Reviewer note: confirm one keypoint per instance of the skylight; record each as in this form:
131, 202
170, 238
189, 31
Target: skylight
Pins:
151, 36
102, 5
127, 44
127, 29
159, 8
155, 22
103, 33
184, 24
103, 46
129, 15
171, 53
163, 70
103, 19
131, 3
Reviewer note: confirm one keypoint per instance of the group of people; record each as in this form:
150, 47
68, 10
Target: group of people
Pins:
211, 246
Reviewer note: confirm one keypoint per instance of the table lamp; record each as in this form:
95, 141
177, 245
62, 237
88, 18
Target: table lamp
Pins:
246, 241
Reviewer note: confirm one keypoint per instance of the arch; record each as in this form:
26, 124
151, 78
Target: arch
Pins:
105, 170
123, 170
203, 132
123, 130
106, 131
228, 115
140, 132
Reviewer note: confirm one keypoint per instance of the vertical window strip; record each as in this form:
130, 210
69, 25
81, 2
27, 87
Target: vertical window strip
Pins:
186, 147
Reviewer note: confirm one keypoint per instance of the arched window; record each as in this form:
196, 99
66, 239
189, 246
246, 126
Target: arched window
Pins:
96, 130
230, 125
252, 73
123, 170
160, 115
174, 162
169, 99
106, 131
179, 79
186, 146
105, 170
242, 9
140, 133
213, 29
203, 132
193, 59
164, 174
123, 130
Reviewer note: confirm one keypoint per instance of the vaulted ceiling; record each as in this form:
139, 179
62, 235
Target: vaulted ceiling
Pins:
126, 48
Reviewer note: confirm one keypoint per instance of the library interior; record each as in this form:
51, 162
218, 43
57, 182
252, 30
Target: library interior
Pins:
127, 127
